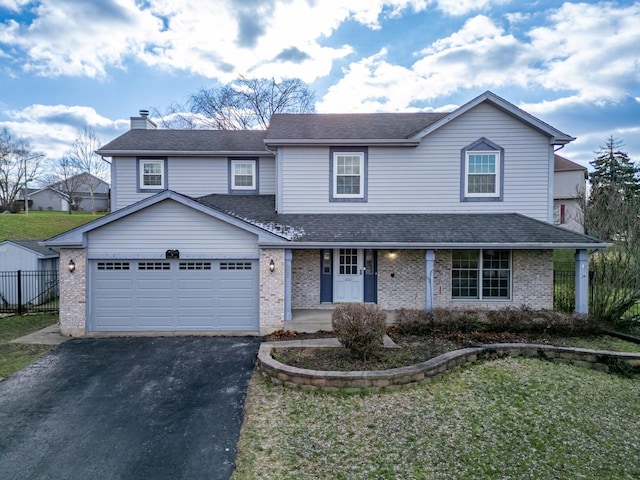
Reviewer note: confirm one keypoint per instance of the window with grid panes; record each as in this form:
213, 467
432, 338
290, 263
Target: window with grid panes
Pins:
481, 274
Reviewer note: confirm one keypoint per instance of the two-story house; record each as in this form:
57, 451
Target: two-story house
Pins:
569, 190
244, 231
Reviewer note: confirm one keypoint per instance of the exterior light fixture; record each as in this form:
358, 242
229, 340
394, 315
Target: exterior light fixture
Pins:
71, 266
392, 254
272, 265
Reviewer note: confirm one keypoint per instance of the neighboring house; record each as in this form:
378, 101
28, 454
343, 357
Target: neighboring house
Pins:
36, 263
243, 231
569, 187
55, 197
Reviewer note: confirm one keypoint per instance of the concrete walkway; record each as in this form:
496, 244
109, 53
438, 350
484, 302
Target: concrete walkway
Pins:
47, 336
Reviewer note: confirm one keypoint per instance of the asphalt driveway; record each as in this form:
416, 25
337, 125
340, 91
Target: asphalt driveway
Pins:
127, 408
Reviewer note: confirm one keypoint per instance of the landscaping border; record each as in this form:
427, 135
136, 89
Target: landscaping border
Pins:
376, 380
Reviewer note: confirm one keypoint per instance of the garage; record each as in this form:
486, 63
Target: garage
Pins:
173, 295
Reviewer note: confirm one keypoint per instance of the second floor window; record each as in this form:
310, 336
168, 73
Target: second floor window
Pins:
482, 174
243, 175
152, 174
348, 171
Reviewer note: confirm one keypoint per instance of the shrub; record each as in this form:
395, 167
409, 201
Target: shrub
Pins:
512, 320
360, 328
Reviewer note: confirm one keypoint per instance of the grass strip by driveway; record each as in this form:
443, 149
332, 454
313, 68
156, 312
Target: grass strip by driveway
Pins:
14, 356
509, 418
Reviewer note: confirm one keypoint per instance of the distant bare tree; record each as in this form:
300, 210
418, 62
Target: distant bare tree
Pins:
83, 158
19, 164
65, 180
246, 103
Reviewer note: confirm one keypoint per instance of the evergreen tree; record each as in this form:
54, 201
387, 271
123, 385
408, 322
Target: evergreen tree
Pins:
613, 169
613, 205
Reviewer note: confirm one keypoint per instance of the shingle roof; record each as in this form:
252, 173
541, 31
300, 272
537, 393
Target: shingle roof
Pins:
35, 246
187, 141
423, 229
315, 126
561, 164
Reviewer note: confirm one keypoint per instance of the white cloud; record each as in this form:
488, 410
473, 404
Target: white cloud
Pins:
13, 5
584, 54
51, 129
218, 39
462, 7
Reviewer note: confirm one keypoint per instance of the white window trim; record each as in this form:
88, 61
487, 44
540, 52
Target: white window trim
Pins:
360, 156
496, 154
233, 175
141, 166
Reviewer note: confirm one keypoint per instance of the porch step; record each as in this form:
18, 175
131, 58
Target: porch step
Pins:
311, 321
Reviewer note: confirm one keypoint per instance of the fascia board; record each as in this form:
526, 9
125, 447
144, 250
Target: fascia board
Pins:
184, 153
437, 246
556, 137
76, 237
314, 142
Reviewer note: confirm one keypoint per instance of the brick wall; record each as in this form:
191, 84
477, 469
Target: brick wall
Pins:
73, 294
532, 282
271, 291
401, 279
305, 279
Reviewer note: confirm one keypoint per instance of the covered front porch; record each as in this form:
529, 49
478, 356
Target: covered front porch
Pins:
413, 278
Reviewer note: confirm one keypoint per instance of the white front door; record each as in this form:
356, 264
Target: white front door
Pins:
348, 278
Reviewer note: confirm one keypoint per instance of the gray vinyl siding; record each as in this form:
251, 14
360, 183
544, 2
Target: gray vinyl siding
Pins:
170, 225
267, 174
194, 177
14, 257
426, 179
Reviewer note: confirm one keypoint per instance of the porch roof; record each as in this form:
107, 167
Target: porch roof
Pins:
482, 230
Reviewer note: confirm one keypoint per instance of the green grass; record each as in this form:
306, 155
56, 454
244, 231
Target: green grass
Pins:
14, 356
41, 224
509, 418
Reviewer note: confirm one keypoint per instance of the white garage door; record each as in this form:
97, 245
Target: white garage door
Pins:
168, 295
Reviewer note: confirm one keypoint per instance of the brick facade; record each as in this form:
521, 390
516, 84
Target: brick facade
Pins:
271, 291
401, 275
401, 280
305, 279
532, 282
73, 295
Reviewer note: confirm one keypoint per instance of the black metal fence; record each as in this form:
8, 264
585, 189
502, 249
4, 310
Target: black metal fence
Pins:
29, 291
564, 288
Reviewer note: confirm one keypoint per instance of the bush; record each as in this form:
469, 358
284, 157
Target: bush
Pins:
511, 320
360, 328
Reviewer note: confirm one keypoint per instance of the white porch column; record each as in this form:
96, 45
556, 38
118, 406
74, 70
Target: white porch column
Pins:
582, 281
287, 284
430, 258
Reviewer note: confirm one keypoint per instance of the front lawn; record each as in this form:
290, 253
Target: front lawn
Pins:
14, 356
509, 418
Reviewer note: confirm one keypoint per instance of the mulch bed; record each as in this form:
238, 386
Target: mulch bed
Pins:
413, 349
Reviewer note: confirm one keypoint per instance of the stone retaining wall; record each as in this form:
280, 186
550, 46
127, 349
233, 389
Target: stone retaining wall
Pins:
434, 368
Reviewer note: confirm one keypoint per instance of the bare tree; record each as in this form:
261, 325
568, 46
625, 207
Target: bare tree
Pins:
18, 166
246, 103
83, 158
65, 181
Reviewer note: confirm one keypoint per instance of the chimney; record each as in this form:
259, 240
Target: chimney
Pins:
143, 122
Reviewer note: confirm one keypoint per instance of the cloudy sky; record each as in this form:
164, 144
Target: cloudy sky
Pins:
69, 63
